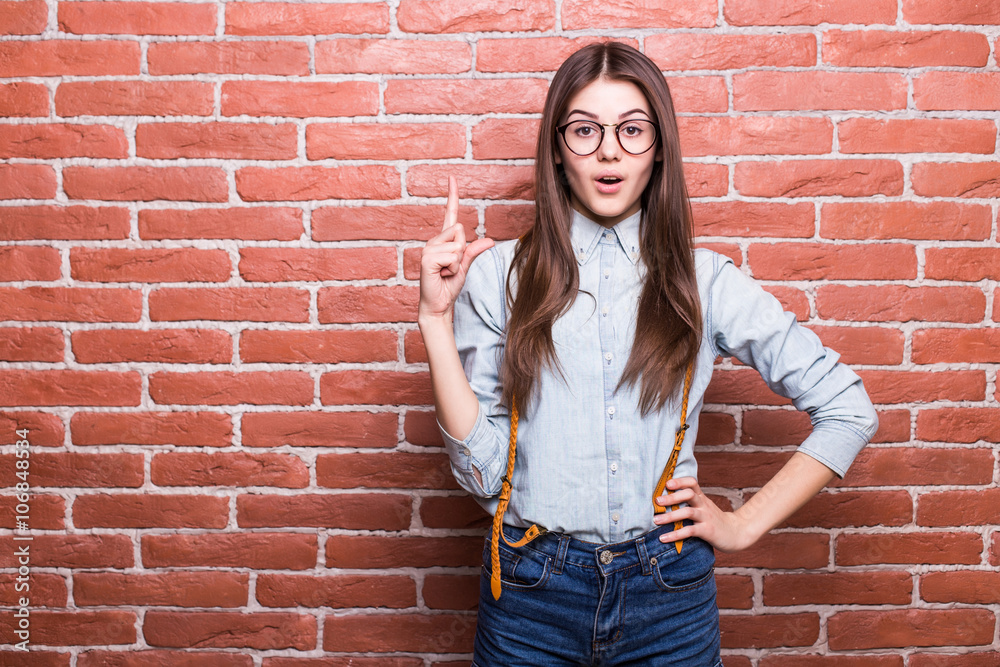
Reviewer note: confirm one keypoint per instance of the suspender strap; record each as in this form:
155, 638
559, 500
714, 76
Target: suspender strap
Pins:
668, 470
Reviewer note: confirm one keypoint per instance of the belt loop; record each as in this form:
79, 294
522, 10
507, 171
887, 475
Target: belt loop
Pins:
640, 546
561, 550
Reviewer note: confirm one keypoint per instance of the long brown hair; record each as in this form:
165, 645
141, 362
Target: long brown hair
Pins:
668, 322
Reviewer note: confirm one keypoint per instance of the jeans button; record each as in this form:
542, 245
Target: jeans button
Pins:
606, 557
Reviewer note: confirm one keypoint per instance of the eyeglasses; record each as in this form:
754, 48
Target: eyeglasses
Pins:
584, 137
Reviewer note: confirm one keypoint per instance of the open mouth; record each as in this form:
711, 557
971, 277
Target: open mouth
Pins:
609, 180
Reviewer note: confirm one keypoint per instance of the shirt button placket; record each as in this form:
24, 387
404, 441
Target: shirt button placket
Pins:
612, 438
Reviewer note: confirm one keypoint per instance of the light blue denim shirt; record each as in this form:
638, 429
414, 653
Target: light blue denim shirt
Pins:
587, 460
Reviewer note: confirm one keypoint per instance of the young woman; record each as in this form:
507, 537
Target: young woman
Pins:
582, 352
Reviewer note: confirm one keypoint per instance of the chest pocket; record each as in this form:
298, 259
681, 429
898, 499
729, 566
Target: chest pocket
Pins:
578, 326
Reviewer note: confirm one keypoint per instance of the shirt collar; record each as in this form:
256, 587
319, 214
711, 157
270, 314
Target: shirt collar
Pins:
585, 234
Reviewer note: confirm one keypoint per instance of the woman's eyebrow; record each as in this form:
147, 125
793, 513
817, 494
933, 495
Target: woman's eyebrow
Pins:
595, 116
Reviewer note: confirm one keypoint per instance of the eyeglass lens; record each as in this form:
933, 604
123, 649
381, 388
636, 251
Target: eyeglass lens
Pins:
583, 137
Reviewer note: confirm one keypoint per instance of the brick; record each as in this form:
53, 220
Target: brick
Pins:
27, 181
893, 426
782, 551
182, 429
203, 184
150, 511
129, 18
444, 591
819, 91
29, 263
987, 659
836, 660
926, 548
965, 425
236, 141
44, 429
505, 222
289, 18
385, 141
699, 94
74, 628
905, 220
917, 387
47, 590
384, 470
250, 304
803, 12
70, 304
228, 469
891, 48
134, 98
76, 469
578, 14
250, 223
175, 589
375, 388
381, 552
312, 183
754, 219
864, 345
136, 658
505, 138
278, 551
824, 261
316, 264
930, 11
775, 427
378, 303
754, 135
72, 551
967, 264
811, 178
413, 348
23, 223
232, 388
23, 99
957, 90
389, 223
956, 346
57, 140
741, 386
320, 429
956, 179
336, 592
533, 54
435, 633
899, 303
451, 16
299, 99
149, 265
972, 587
916, 135
257, 630
192, 346
317, 347
791, 299
959, 508
392, 56
66, 387
838, 588
421, 429
46, 513
59, 57
914, 466
719, 469
769, 630
734, 591
454, 512
256, 57
854, 508
706, 180
910, 627
465, 96
23, 17
716, 428
348, 511
704, 51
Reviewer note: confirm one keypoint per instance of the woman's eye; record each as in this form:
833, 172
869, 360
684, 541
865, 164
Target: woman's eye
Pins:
632, 130
584, 131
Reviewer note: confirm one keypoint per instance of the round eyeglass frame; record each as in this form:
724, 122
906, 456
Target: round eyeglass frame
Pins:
561, 130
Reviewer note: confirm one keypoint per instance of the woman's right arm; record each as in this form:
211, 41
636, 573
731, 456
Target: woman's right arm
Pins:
444, 265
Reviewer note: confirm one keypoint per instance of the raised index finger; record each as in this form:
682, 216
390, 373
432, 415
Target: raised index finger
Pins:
451, 214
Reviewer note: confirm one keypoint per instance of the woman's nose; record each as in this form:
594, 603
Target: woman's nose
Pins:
609, 149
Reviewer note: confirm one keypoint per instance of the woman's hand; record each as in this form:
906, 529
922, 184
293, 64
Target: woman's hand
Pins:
445, 261
723, 530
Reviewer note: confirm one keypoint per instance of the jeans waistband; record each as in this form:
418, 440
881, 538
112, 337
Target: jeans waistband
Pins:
644, 551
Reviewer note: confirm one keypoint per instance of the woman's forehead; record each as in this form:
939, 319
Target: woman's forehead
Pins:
609, 100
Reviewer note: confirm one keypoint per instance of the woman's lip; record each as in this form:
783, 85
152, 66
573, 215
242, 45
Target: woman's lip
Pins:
608, 188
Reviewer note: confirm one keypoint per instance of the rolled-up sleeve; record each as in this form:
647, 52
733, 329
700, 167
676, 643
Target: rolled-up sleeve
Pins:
479, 333
748, 323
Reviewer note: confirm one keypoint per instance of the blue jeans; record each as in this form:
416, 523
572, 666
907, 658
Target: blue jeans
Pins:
570, 602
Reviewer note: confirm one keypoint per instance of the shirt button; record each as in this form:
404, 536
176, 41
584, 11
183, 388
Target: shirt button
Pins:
466, 451
581, 257
609, 356
607, 235
607, 272
614, 517
614, 467
611, 410
604, 311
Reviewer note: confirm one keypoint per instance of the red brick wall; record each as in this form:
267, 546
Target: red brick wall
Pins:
208, 287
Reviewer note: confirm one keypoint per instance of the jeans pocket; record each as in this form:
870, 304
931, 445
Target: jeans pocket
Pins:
676, 573
521, 568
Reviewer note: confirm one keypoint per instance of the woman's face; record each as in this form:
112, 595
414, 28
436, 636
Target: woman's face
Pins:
606, 185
